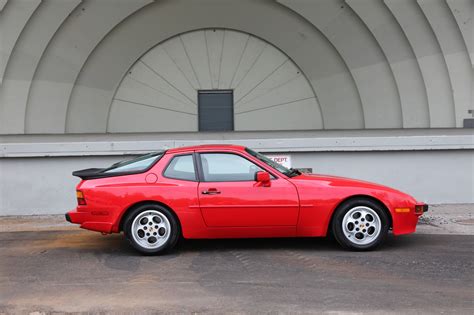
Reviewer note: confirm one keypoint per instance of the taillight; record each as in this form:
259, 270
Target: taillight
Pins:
80, 198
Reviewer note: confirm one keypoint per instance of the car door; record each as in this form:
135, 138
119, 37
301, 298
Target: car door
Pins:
229, 196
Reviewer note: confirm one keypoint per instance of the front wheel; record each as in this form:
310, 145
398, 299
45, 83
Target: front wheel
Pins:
360, 224
151, 229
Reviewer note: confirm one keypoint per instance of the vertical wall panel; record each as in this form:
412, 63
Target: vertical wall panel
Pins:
283, 75
64, 58
251, 54
430, 59
270, 61
34, 39
15, 15
454, 51
401, 58
234, 45
175, 50
2, 4
160, 63
196, 48
362, 54
215, 45
463, 12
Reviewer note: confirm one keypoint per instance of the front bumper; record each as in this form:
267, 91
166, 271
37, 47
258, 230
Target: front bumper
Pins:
405, 218
91, 221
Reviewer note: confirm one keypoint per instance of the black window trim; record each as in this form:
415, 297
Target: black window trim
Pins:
201, 172
196, 173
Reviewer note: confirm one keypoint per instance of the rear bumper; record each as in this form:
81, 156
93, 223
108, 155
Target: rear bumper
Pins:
90, 221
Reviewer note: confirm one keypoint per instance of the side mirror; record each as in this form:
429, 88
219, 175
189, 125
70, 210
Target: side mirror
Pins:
262, 179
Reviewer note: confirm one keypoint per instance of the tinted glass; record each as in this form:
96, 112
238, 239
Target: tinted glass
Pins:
269, 162
222, 167
137, 164
181, 167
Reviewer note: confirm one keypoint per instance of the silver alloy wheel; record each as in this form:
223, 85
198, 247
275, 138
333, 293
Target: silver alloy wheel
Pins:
151, 229
361, 225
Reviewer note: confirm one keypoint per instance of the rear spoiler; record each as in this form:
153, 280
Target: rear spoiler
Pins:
91, 173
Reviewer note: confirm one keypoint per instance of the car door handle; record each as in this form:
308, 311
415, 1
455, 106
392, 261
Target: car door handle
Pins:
211, 191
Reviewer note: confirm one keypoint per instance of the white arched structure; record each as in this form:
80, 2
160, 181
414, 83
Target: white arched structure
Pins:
159, 93
372, 64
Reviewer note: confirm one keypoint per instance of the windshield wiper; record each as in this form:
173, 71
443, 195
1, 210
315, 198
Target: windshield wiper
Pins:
294, 172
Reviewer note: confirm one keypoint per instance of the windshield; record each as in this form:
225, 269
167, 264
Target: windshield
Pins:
137, 164
290, 172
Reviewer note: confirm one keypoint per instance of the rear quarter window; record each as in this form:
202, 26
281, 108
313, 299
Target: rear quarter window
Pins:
181, 167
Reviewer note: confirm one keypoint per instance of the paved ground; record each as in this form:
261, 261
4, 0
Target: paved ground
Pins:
73, 270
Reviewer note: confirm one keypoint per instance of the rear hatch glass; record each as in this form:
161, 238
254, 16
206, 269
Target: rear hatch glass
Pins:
138, 164
135, 165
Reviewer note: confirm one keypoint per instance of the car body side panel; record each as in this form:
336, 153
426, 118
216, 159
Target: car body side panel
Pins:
246, 204
113, 196
320, 195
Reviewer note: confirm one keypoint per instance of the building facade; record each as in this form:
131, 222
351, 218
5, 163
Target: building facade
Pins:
380, 90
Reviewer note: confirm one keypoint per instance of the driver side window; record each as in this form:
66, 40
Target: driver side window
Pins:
226, 167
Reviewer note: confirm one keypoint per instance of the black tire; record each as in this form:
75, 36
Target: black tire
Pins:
352, 243
174, 233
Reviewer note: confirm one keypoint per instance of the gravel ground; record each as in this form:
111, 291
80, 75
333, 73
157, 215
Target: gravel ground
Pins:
448, 219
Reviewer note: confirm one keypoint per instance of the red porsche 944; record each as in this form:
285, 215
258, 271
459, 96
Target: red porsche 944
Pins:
229, 191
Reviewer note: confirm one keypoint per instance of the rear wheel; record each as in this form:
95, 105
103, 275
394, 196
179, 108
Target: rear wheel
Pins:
360, 224
151, 229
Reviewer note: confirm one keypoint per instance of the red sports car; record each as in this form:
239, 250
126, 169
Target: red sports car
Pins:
229, 191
